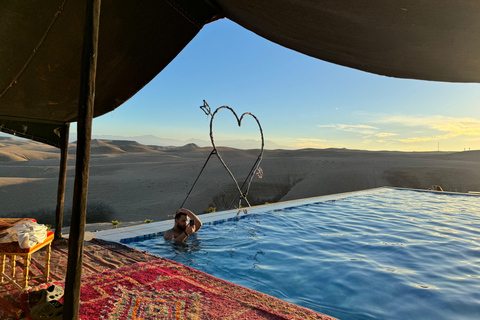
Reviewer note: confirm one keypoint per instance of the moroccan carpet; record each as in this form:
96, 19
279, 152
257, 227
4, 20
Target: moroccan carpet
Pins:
98, 256
164, 289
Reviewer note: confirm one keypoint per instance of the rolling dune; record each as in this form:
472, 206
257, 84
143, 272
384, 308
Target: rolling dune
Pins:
136, 182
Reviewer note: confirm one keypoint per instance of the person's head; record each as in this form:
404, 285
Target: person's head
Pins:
181, 220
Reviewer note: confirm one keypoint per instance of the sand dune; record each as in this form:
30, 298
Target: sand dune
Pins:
23, 150
136, 182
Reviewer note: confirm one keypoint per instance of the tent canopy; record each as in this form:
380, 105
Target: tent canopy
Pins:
41, 51
41, 46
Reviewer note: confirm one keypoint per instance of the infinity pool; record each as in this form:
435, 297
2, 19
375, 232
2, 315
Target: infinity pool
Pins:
395, 254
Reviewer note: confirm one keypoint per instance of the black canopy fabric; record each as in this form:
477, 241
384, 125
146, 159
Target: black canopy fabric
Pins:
41, 50
418, 39
41, 46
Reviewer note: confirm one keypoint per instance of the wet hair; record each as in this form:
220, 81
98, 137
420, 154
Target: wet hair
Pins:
179, 214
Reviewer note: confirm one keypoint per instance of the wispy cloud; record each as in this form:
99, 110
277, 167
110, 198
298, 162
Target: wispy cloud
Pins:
453, 127
408, 130
416, 139
385, 134
359, 128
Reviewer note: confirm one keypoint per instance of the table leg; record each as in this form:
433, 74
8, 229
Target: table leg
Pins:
26, 269
47, 262
2, 268
13, 265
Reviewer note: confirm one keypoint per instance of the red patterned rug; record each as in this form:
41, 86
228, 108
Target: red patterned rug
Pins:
164, 289
98, 256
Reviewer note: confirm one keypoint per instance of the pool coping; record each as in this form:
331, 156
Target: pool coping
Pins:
150, 230
153, 229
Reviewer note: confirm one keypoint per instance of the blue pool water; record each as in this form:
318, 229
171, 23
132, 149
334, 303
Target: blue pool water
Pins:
396, 254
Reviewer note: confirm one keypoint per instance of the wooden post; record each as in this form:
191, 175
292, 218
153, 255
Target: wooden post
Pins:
62, 177
84, 137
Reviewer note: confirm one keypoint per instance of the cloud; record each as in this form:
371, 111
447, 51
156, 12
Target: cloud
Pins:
327, 126
463, 127
436, 138
359, 128
368, 131
458, 126
443, 128
385, 134
453, 127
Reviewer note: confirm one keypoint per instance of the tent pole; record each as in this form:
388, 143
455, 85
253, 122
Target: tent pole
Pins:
62, 177
84, 136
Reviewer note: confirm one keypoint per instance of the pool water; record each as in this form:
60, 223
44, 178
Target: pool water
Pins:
396, 254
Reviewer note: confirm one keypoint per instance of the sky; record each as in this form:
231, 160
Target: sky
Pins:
301, 102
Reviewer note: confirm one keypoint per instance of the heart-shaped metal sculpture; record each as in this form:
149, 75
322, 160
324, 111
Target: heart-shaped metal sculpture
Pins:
243, 194
245, 188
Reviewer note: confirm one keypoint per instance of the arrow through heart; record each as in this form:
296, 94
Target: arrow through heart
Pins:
255, 168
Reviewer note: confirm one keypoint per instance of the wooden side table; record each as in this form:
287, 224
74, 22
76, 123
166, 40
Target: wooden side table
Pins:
12, 249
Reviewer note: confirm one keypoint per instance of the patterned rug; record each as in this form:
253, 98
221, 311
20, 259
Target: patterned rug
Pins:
164, 289
98, 256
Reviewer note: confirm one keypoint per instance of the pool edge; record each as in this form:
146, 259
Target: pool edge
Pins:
151, 230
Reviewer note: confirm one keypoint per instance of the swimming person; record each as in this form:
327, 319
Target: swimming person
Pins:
181, 230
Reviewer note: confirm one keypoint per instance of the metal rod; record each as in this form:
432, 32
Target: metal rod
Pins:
205, 164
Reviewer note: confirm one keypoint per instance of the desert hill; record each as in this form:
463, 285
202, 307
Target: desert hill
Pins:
131, 182
23, 150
